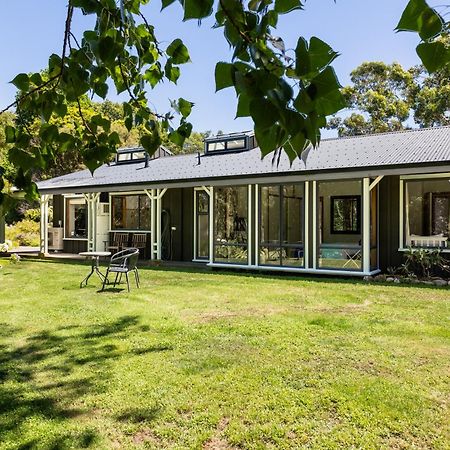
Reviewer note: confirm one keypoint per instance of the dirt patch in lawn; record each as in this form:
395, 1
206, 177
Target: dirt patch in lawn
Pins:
211, 316
217, 441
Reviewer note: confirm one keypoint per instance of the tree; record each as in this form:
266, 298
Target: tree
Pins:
287, 97
380, 91
384, 96
430, 97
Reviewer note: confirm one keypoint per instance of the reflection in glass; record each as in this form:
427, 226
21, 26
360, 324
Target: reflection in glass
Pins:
339, 225
281, 227
76, 218
230, 224
131, 212
202, 224
427, 213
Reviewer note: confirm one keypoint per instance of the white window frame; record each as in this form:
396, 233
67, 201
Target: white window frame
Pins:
208, 190
249, 230
402, 204
69, 196
305, 226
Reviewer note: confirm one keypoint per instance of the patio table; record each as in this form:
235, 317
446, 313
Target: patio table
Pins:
95, 259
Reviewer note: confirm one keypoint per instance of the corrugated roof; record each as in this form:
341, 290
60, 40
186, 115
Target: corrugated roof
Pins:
397, 149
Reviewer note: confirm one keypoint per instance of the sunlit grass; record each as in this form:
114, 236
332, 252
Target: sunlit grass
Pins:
220, 360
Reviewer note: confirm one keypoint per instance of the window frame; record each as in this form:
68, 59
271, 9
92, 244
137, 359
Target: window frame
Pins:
358, 199
281, 245
403, 202
67, 199
213, 217
112, 213
245, 145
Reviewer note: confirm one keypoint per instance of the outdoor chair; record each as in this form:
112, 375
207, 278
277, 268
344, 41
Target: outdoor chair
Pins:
118, 242
121, 263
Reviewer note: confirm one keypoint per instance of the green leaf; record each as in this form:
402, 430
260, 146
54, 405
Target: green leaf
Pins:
224, 75
434, 55
285, 6
263, 113
197, 9
178, 52
269, 139
166, 3
107, 49
101, 89
312, 58
179, 135
320, 54
419, 17
184, 107
151, 142
10, 134
243, 107
153, 75
172, 73
21, 82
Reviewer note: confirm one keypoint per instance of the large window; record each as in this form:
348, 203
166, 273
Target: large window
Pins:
427, 213
339, 225
281, 229
230, 224
131, 212
76, 218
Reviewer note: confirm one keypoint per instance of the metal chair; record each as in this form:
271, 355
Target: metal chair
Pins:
119, 241
122, 263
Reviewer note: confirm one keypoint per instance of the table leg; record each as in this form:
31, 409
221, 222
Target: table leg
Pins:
85, 281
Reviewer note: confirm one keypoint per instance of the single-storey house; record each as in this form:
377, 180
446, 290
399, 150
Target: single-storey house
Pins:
350, 206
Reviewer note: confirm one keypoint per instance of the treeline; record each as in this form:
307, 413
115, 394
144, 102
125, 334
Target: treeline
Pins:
387, 97
69, 160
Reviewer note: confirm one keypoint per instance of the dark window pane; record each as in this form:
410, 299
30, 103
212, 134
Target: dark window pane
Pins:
345, 214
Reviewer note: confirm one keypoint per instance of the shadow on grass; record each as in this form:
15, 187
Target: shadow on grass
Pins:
42, 378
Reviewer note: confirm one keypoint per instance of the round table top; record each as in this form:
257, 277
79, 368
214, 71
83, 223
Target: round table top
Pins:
95, 253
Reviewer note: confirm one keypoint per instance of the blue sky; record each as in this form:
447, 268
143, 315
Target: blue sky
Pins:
360, 30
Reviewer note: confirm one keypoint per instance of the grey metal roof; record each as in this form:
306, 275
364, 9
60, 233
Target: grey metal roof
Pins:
428, 146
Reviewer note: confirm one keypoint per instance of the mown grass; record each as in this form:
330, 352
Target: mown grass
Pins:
220, 360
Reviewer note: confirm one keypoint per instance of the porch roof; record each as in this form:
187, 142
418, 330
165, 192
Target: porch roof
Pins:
415, 148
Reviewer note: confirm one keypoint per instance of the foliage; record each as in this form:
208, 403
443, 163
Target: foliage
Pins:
420, 18
4, 247
430, 97
287, 94
424, 263
192, 144
7, 169
23, 233
382, 97
14, 258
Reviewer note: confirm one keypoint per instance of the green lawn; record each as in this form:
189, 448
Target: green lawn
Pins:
220, 360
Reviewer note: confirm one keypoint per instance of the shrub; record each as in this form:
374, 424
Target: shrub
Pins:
14, 258
424, 263
25, 232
